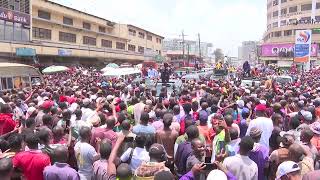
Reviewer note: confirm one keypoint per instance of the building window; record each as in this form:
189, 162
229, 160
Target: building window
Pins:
106, 43
306, 7
283, 23
68, 21
293, 9
131, 47
159, 40
283, 1
89, 40
149, 37
275, 2
318, 6
275, 14
44, 15
102, 29
86, 25
284, 11
275, 24
41, 33
269, 26
67, 37
317, 18
305, 20
141, 35
292, 21
13, 31
120, 45
287, 33
132, 32
277, 34
141, 49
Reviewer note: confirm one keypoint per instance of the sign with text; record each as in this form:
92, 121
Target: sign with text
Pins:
25, 52
64, 52
302, 50
14, 16
284, 50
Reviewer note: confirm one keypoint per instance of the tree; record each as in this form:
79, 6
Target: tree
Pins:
219, 56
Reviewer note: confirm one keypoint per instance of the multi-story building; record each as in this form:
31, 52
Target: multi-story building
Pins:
177, 45
248, 52
284, 18
54, 33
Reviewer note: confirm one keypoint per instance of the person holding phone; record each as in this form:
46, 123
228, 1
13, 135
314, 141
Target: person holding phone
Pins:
198, 155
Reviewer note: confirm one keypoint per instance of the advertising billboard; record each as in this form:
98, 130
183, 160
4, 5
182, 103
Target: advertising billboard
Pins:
303, 48
283, 50
14, 16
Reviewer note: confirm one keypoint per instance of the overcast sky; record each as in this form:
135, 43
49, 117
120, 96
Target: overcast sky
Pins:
225, 23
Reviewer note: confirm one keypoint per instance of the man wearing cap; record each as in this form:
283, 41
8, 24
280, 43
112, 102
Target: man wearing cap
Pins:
288, 170
259, 153
263, 123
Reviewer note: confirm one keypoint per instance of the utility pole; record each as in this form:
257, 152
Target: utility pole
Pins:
182, 44
188, 46
199, 46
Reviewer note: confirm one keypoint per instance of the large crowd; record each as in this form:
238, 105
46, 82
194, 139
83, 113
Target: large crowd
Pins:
81, 125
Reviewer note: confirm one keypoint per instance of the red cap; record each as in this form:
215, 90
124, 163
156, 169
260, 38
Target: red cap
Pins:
47, 104
261, 107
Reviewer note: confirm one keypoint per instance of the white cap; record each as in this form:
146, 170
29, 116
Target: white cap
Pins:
240, 103
110, 98
217, 174
286, 168
263, 102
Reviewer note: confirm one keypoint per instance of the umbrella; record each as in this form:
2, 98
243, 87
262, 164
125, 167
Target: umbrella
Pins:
113, 65
107, 69
55, 69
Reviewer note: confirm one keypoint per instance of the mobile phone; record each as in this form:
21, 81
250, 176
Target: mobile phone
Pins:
221, 146
210, 166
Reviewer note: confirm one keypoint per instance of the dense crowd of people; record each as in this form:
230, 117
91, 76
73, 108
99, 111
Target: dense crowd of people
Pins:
81, 125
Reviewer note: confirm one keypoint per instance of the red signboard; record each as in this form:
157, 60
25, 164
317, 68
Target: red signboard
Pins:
14, 16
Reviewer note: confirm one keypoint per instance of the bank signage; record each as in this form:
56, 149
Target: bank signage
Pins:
302, 50
14, 16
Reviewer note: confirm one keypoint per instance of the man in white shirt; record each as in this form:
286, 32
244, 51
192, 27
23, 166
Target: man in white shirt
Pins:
240, 165
87, 113
263, 123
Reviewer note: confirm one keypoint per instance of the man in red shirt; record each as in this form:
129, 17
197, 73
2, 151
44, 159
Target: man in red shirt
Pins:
33, 161
7, 124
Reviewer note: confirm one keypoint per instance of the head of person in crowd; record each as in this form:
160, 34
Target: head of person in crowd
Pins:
187, 107
167, 120
105, 149
32, 141
111, 122
294, 123
296, 152
140, 141
5, 109
288, 170
85, 134
124, 171
47, 120
255, 134
31, 123
44, 136
78, 114
198, 148
61, 154
15, 142
176, 110
277, 119
164, 175
6, 168
144, 118
229, 120
306, 135
4, 145
58, 133
260, 110
246, 145
192, 132
157, 153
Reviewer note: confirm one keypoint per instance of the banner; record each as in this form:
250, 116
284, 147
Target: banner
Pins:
303, 46
284, 50
14, 16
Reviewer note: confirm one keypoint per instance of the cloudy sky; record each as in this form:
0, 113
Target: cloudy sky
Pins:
225, 23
